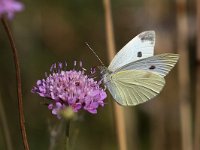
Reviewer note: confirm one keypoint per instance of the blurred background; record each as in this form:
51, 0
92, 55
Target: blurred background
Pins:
49, 31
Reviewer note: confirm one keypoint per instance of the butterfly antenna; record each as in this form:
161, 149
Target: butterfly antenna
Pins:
94, 53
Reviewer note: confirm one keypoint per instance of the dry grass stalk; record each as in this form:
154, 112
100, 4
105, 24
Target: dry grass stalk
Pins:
118, 110
183, 68
197, 101
198, 30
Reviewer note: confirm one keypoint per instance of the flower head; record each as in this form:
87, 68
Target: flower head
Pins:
10, 7
70, 88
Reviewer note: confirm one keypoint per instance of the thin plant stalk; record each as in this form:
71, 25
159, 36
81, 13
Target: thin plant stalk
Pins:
198, 30
5, 126
184, 79
54, 135
197, 111
197, 101
118, 110
19, 87
67, 134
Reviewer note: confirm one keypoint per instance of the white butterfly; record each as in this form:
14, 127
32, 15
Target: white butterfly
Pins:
134, 75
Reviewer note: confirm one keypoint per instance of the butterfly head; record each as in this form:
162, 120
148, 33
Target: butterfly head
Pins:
103, 70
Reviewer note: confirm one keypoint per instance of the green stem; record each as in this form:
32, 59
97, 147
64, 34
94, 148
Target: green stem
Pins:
5, 127
19, 87
67, 130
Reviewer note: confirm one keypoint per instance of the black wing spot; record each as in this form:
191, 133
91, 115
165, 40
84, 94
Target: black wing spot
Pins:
139, 54
152, 67
147, 36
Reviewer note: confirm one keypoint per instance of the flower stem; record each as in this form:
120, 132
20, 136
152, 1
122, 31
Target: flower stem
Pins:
67, 133
19, 88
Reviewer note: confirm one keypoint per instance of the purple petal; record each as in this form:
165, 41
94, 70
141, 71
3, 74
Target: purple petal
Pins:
10, 7
50, 106
92, 111
54, 111
17, 6
103, 95
58, 105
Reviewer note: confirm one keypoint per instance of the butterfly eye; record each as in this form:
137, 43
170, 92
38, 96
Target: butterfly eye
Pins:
152, 67
139, 54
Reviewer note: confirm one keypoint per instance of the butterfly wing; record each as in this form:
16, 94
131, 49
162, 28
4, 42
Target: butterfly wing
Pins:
132, 87
160, 64
141, 46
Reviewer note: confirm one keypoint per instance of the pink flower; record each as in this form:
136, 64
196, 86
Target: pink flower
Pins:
10, 7
70, 88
